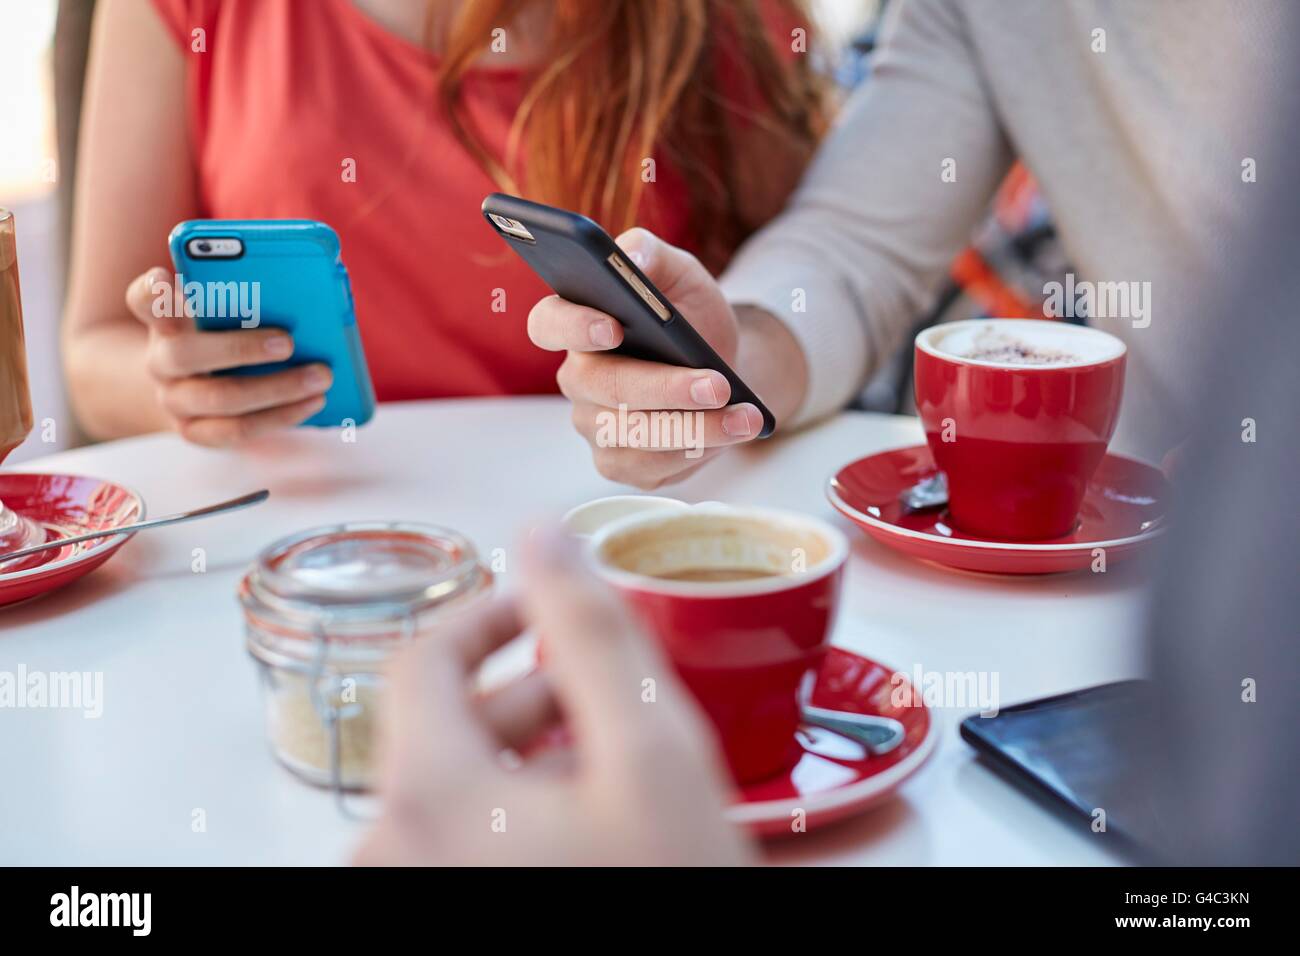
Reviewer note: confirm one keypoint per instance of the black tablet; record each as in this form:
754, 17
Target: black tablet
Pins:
1083, 751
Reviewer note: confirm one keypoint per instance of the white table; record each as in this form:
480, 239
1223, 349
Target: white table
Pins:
182, 726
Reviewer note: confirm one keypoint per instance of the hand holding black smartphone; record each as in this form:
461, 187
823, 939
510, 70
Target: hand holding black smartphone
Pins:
579, 260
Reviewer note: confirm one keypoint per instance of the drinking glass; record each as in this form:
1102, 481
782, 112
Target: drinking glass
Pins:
15, 400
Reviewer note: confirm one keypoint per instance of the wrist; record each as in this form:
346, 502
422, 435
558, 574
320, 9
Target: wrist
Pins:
110, 390
771, 361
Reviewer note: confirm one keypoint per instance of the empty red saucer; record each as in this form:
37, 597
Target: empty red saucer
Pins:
1123, 512
64, 506
835, 776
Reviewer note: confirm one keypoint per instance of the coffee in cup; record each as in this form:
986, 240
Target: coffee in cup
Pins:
1018, 413
1039, 345
742, 600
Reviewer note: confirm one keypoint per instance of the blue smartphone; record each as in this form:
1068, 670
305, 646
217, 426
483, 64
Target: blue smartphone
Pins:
286, 274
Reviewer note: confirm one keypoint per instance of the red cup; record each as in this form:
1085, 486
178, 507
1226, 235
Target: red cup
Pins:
741, 646
1019, 442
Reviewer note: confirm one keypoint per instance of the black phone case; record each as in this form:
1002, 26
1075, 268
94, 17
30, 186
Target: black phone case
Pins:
571, 255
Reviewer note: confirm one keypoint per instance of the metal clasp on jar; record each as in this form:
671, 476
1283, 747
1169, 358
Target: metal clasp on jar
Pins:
329, 689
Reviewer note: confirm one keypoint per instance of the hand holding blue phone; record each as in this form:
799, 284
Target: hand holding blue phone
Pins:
253, 331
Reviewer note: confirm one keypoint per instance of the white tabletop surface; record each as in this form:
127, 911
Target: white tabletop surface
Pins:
182, 726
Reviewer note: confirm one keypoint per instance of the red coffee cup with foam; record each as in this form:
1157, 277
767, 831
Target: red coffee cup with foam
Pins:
1018, 414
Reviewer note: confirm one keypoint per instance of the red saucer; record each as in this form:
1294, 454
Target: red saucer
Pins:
835, 777
65, 505
1123, 512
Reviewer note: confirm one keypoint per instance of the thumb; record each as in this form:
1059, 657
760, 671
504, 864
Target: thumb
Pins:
597, 657
675, 272
686, 284
155, 299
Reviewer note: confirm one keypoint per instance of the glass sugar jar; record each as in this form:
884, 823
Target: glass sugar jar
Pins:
324, 611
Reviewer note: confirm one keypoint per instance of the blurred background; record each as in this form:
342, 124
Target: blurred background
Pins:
42, 66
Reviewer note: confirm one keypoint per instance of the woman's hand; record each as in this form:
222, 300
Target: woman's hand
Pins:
220, 410
645, 786
598, 384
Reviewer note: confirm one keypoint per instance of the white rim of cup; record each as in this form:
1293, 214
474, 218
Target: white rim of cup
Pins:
925, 335
838, 542
641, 504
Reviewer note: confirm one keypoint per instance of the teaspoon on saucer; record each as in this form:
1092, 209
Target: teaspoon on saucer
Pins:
929, 492
879, 735
234, 504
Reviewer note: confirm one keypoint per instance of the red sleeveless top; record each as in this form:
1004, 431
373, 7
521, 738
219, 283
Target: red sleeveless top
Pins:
288, 99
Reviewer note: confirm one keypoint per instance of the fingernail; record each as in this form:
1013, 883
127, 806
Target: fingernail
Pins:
310, 407
317, 377
736, 423
602, 334
280, 346
147, 281
704, 393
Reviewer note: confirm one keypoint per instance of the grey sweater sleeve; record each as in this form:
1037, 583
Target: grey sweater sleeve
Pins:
867, 237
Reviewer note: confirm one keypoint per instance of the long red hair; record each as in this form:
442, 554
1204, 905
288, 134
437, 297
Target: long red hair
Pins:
702, 84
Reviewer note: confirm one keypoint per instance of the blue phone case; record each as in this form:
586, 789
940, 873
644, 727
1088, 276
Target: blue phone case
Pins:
301, 286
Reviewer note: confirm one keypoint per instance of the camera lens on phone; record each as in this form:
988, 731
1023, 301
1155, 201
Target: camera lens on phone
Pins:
203, 246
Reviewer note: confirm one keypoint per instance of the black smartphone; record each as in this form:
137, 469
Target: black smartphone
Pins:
580, 261
1082, 750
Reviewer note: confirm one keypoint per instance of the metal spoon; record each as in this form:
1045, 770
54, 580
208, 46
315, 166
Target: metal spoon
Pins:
879, 735
929, 492
234, 504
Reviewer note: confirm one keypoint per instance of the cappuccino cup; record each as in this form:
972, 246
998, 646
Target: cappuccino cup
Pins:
742, 601
1018, 413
